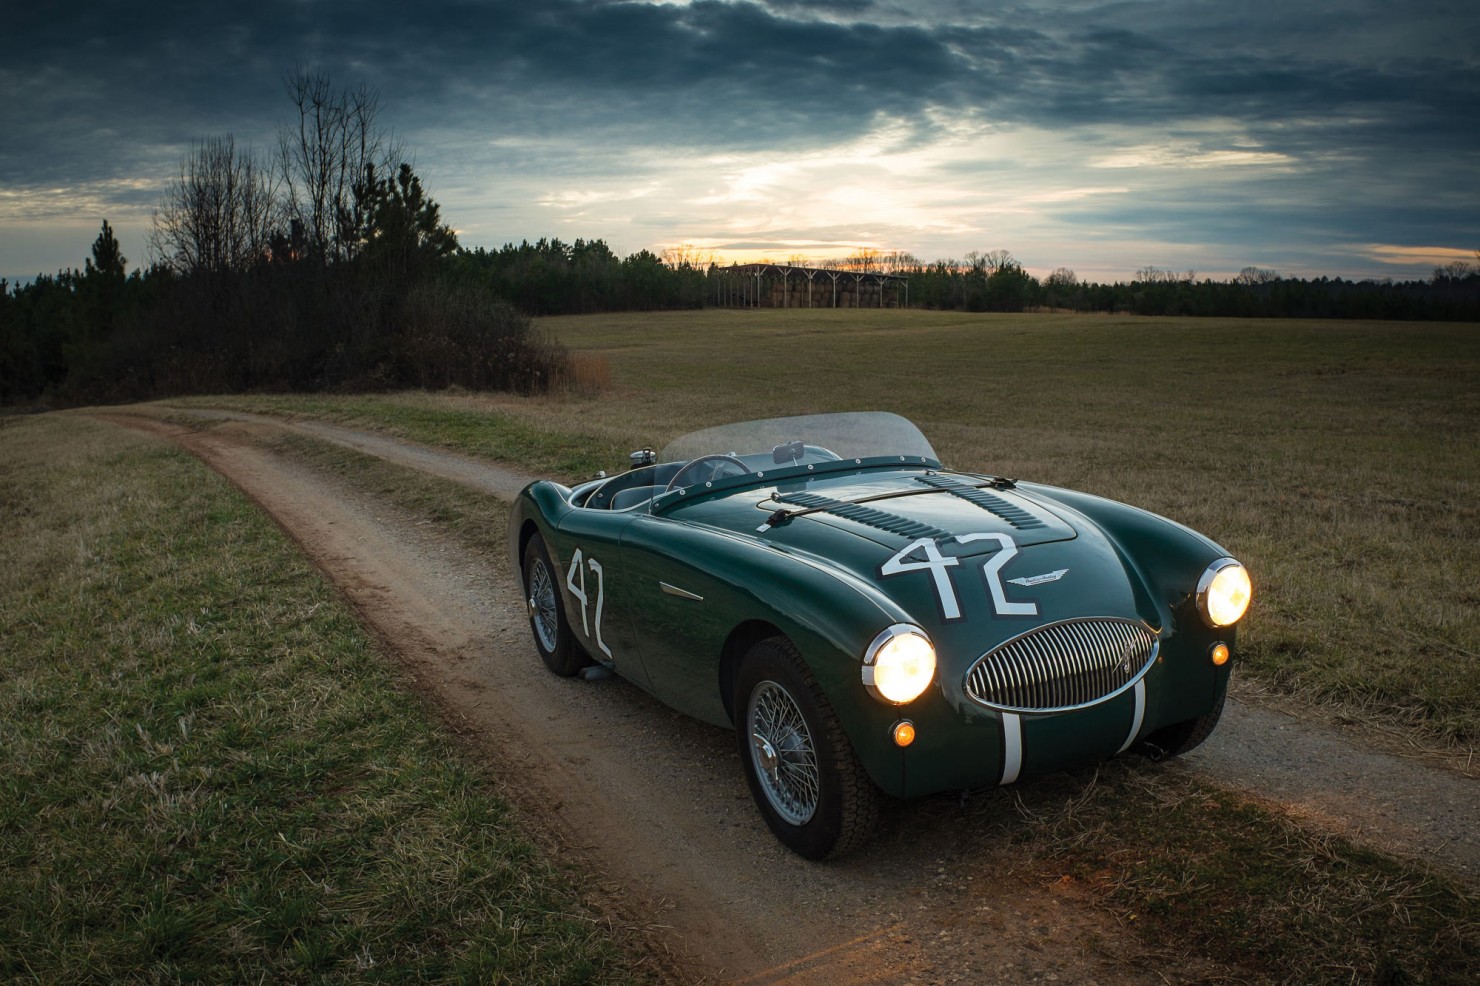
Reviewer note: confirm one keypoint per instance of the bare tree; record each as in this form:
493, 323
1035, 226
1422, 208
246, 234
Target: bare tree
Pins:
218, 214
688, 254
991, 262
337, 136
1155, 275
1061, 289
1251, 276
894, 261
1456, 270
995, 260
1064, 279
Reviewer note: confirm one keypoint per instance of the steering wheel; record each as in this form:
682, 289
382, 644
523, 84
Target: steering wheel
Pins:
674, 483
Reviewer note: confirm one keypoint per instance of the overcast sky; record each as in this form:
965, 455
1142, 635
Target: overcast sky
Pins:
1335, 137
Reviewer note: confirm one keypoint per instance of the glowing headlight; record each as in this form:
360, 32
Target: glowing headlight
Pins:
1223, 592
900, 664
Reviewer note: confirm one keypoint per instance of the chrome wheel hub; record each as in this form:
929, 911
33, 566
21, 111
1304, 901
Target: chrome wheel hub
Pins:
765, 755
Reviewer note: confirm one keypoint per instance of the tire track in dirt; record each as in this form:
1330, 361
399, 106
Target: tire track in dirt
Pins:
485, 477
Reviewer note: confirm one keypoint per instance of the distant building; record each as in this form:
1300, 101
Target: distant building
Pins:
786, 286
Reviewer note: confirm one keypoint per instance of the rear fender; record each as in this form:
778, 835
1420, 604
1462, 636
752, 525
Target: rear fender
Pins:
539, 507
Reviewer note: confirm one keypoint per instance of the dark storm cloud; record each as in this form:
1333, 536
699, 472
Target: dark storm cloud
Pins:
114, 78
815, 8
1359, 118
95, 87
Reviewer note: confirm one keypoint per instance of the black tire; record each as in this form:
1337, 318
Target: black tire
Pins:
1179, 737
803, 773
552, 636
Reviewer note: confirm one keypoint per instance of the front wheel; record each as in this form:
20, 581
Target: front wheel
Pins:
805, 777
1179, 737
552, 636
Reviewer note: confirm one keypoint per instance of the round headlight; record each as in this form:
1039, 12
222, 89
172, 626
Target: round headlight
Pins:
1223, 592
900, 664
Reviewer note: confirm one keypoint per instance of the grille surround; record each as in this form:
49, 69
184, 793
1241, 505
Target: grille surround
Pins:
1059, 667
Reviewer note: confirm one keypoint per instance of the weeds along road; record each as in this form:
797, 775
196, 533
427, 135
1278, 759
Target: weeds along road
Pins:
654, 803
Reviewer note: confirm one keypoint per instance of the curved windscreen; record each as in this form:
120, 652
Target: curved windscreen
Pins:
805, 438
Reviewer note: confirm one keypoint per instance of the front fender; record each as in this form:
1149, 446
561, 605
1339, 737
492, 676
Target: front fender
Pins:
830, 615
1167, 556
1167, 559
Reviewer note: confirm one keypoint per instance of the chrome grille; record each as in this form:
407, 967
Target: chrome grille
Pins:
1063, 665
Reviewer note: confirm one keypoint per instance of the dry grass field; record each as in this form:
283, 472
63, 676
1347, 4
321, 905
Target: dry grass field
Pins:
212, 774
1336, 459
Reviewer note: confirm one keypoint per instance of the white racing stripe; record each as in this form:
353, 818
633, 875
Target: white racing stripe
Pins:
1012, 735
1012, 746
1140, 716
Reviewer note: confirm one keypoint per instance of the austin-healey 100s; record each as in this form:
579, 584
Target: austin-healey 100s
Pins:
869, 621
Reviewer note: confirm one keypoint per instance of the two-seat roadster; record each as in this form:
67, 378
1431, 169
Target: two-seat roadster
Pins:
869, 621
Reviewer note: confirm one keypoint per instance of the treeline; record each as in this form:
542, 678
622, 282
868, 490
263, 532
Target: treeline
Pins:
995, 281
98, 336
379, 318
555, 278
1003, 286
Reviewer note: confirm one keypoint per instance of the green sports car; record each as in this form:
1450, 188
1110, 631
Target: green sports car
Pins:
870, 622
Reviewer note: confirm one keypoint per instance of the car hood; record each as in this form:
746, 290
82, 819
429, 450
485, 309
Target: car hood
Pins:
1058, 564
902, 509
890, 510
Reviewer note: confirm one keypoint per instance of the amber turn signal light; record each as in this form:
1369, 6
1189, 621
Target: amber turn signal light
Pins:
1219, 654
903, 733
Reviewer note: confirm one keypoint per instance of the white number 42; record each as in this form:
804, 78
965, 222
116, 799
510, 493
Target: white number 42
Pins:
937, 564
577, 571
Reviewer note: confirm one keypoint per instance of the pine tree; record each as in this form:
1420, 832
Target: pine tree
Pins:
107, 258
399, 227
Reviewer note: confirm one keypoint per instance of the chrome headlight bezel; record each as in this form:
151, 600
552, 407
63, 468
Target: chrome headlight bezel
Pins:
882, 646
1205, 590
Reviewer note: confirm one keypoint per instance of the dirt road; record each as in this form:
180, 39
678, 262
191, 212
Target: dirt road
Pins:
655, 804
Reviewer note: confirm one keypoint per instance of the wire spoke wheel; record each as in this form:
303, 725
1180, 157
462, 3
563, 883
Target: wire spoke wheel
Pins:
552, 636
807, 781
542, 611
783, 753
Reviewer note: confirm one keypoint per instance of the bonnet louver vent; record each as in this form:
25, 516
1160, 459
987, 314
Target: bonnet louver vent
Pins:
990, 502
893, 523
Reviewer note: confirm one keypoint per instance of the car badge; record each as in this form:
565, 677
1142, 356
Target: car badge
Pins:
1040, 579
